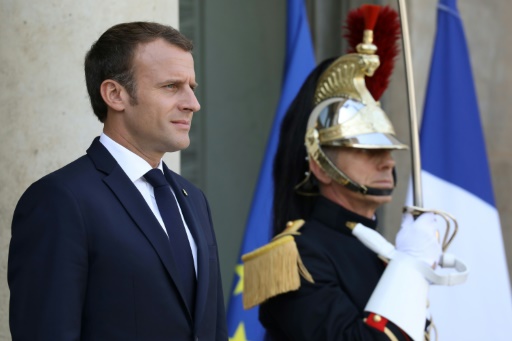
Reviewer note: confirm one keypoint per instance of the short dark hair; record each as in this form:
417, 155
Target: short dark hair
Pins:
111, 57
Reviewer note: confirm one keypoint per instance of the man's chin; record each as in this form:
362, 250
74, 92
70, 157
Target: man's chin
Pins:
379, 200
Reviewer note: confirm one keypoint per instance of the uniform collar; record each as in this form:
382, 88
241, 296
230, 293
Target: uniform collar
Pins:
336, 216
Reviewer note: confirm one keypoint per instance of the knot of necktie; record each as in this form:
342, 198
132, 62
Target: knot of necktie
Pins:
156, 178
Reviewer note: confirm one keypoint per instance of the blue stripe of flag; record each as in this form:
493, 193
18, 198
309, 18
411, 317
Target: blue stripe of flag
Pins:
452, 141
299, 62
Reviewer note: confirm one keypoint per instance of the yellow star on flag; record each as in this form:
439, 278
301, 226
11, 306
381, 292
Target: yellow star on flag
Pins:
239, 269
239, 333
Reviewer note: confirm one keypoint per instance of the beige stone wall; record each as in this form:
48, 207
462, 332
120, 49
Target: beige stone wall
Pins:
45, 112
488, 30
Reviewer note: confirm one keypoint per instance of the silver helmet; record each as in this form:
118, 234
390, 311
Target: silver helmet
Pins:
346, 115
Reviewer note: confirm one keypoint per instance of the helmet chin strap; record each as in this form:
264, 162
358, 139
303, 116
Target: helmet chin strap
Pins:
340, 177
354, 186
325, 163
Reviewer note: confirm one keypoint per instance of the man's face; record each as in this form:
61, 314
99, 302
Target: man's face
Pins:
368, 167
159, 119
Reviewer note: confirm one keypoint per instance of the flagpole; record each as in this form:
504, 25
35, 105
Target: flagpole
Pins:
413, 117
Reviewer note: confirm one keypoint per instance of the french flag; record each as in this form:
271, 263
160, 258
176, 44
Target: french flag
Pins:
456, 179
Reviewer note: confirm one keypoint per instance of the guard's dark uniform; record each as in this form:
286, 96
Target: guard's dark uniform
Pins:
345, 274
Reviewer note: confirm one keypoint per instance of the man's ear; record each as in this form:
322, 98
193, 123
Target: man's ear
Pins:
319, 173
113, 94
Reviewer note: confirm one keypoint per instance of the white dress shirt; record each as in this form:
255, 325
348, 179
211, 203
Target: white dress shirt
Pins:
135, 167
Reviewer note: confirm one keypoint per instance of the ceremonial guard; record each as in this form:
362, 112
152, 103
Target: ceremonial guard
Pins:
327, 274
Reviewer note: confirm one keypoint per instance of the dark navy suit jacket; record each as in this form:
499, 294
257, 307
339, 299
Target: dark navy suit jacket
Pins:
88, 260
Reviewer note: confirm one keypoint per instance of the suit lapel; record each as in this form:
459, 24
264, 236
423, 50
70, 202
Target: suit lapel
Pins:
190, 214
136, 207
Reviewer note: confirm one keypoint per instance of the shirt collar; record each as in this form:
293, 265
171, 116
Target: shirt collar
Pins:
133, 165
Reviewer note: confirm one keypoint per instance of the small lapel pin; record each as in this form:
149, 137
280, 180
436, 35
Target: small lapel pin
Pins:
184, 192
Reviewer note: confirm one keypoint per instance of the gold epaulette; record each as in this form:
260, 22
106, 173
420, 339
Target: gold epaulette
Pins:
274, 268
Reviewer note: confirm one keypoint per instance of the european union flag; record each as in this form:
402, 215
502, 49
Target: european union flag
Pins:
243, 324
456, 179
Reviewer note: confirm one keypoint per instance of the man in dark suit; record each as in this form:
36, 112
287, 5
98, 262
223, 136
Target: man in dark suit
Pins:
93, 254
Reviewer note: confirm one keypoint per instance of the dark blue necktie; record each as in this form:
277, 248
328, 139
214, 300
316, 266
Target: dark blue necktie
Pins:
180, 245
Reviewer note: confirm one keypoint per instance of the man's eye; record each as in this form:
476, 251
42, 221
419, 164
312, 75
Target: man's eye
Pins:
171, 86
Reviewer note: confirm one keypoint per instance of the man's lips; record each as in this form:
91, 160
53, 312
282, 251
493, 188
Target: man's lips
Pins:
383, 183
182, 123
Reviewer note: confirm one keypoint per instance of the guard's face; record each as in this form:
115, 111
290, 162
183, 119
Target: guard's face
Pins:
368, 167
159, 119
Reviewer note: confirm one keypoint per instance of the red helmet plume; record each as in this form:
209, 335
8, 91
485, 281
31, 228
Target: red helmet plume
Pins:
386, 35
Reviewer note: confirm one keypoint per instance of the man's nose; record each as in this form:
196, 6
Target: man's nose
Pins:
387, 160
190, 102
